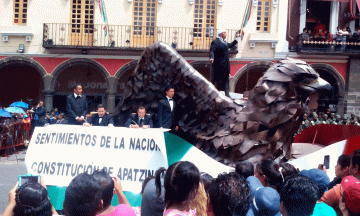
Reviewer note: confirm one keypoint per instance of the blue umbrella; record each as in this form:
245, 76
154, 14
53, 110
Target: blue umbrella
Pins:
15, 110
20, 104
4, 113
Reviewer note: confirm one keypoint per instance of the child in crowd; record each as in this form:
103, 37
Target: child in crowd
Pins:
153, 195
181, 184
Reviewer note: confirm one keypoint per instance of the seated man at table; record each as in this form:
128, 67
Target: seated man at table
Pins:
101, 118
139, 119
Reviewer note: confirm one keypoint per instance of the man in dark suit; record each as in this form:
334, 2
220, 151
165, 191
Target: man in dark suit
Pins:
101, 118
140, 119
166, 113
219, 57
76, 106
39, 114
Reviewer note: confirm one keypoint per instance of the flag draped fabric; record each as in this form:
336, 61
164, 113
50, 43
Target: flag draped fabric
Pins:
103, 15
247, 13
246, 18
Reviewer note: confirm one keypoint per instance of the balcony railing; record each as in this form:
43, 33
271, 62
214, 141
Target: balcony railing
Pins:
57, 35
341, 46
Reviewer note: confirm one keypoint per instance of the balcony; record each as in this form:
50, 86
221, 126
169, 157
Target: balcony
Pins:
346, 47
128, 38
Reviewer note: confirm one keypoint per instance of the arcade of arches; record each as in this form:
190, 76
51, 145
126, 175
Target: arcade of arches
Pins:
21, 80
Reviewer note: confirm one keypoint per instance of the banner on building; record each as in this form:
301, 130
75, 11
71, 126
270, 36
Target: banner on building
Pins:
61, 152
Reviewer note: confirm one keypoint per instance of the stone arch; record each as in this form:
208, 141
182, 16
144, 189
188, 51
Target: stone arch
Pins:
123, 74
14, 86
330, 74
332, 71
260, 66
204, 68
74, 62
125, 68
16, 60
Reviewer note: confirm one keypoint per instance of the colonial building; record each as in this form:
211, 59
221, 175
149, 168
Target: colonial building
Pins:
48, 46
335, 59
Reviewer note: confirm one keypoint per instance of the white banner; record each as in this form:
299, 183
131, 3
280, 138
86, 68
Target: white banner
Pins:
312, 161
60, 152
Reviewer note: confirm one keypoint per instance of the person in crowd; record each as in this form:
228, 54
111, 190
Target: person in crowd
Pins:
350, 198
341, 170
219, 58
39, 114
206, 180
342, 35
298, 196
47, 118
328, 38
153, 195
76, 106
269, 173
305, 123
320, 27
330, 118
200, 201
332, 197
140, 119
56, 112
344, 120
266, 200
52, 117
108, 186
325, 118
167, 110
245, 169
229, 194
30, 199
61, 119
101, 118
287, 170
181, 182
83, 196
322, 181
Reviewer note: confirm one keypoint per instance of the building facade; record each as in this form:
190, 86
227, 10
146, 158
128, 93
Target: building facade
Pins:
48, 46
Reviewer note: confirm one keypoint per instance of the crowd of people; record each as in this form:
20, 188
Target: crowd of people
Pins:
268, 188
318, 118
321, 34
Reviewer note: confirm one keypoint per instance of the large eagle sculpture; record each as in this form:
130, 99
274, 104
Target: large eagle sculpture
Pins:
260, 127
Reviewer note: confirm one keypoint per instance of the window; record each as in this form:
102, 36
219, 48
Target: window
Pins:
144, 22
263, 16
82, 22
204, 23
20, 12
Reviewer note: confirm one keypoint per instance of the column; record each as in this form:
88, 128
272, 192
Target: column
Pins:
302, 15
334, 16
49, 97
283, 45
111, 102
